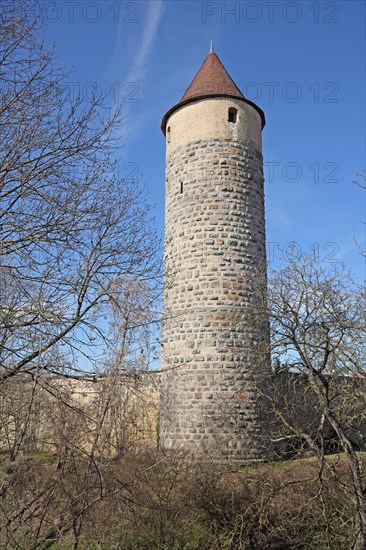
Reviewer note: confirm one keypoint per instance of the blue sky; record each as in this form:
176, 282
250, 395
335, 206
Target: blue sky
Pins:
302, 62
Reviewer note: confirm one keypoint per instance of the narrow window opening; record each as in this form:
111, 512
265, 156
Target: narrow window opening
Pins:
232, 115
181, 187
168, 134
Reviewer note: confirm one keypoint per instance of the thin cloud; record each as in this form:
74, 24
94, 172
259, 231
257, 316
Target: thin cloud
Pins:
140, 62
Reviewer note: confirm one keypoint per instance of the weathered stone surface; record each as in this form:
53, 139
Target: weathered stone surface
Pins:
214, 355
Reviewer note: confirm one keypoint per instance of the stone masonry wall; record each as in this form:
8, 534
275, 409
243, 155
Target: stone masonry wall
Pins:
214, 354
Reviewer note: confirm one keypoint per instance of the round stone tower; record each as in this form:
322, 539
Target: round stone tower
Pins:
215, 348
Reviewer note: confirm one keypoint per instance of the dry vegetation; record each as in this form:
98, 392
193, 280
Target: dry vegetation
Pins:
147, 501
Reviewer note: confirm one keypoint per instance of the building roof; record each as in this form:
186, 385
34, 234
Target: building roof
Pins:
212, 80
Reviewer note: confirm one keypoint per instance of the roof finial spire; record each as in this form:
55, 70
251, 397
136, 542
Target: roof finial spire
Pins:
211, 46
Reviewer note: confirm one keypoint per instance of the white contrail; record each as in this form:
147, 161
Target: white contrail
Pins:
140, 62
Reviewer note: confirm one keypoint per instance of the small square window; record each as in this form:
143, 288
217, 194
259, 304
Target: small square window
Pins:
232, 115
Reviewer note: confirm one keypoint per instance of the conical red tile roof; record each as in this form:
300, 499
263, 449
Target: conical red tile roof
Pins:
212, 80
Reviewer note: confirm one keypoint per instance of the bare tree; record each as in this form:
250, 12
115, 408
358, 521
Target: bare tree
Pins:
317, 318
78, 278
69, 228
